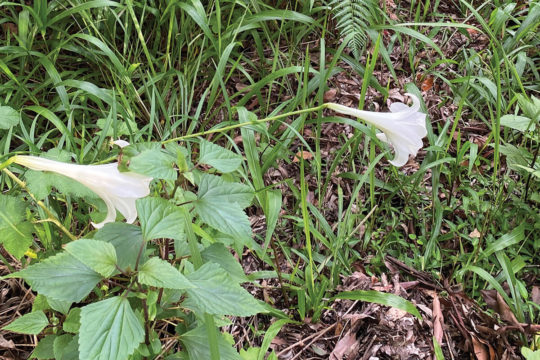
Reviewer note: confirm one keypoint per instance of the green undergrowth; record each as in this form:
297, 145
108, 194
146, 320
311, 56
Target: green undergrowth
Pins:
198, 88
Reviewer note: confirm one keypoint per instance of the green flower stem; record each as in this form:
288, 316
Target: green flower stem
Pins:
40, 203
253, 122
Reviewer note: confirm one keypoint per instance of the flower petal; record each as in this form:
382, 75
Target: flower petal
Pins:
403, 127
111, 212
119, 190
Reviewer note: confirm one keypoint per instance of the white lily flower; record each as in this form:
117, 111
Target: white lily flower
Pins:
403, 127
118, 190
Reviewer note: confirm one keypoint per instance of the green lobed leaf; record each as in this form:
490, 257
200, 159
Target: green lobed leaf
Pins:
66, 347
218, 157
61, 277
127, 240
32, 323
109, 330
99, 256
59, 305
218, 253
216, 293
197, 345
149, 159
45, 348
9, 117
159, 273
381, 298
73, 321
159, 218
16, 231
220, 205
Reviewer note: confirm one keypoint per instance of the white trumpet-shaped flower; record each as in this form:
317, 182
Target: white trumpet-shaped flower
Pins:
403, 127
118, 190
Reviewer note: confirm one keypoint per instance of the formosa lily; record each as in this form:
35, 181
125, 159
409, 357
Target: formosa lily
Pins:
403, 127
118, 190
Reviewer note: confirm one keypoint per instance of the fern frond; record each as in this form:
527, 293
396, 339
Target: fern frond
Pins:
354, 18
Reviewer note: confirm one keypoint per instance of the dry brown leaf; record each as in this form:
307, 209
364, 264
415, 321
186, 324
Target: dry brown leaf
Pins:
330, 95
306, 155
480, 350
535, 295
427, 84
6, 344
344, 346
475, 234
496, 302
438, 320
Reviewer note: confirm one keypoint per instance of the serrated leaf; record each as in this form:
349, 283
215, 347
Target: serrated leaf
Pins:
127, 240
220, 205
99, 256
197, 346
159, 273
218, 253
110, 330
220, 158
32, 323
66, 347
72, 322
45, 348
159, 219
61, 277
16, 231
59, 305
216, 293
9, 117
381, 298
149, 159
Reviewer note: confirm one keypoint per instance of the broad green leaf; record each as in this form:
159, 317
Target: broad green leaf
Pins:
218, 253
215, 189
59, 305
196, 343
127, 240
220, 158
66, 347
381, 298
528, 354
220, 205
73, 321
9, 117
45, 348
159, 218
149, 159
110, 330
216, 293
159, 273
517, 122
60, 277
32, 323
515, 156
16, 231
99, 256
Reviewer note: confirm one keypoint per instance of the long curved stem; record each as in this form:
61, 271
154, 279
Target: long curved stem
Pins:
247, 123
